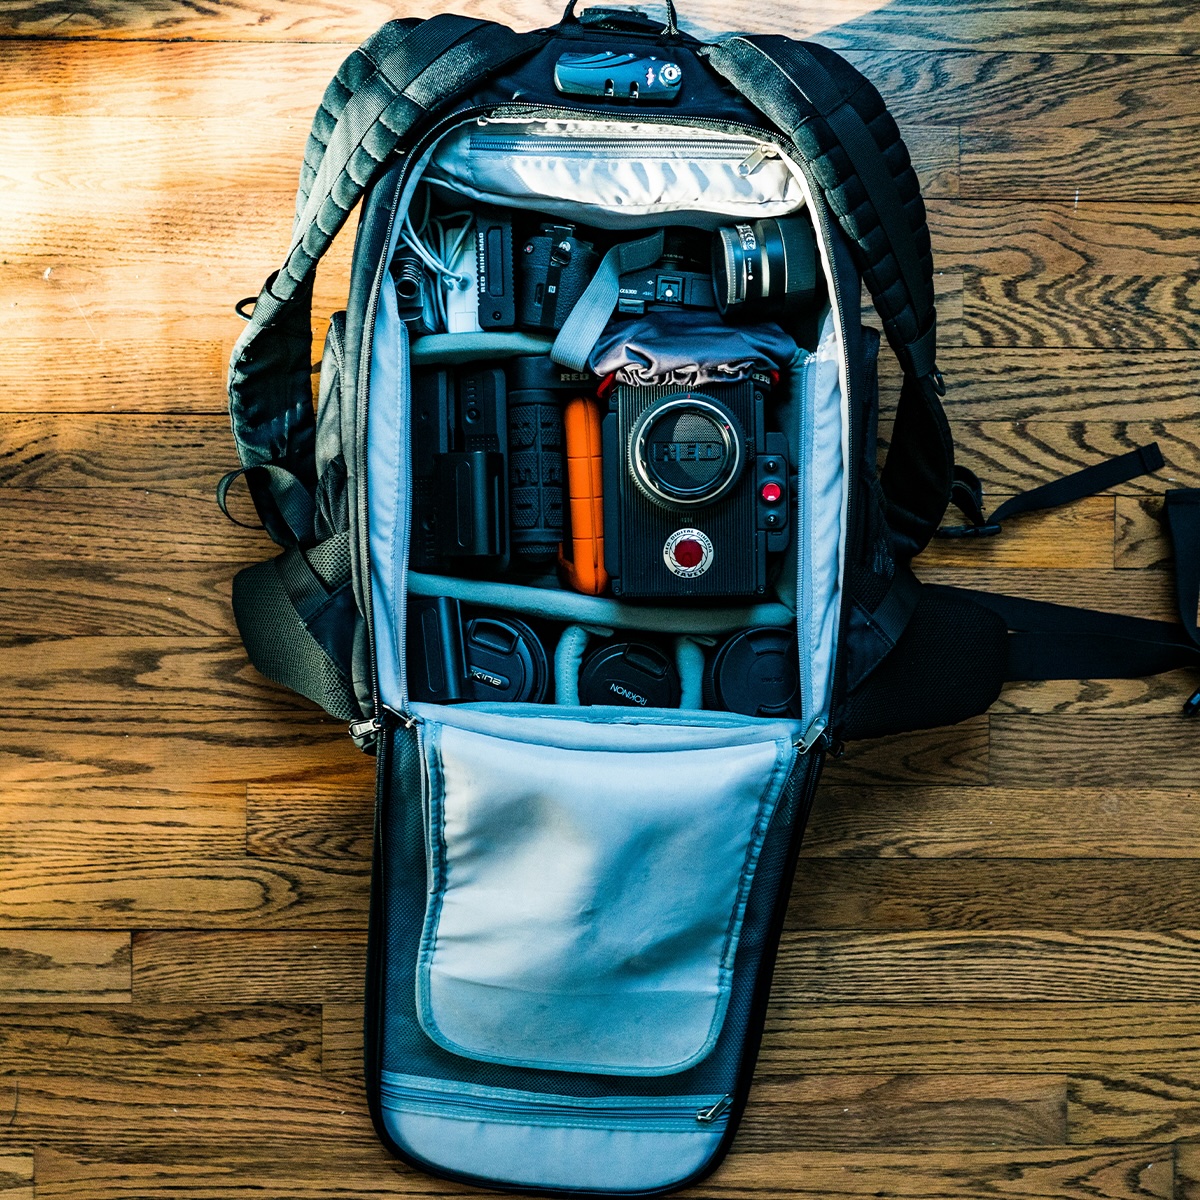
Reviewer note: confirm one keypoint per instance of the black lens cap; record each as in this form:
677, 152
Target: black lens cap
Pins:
756, 672
632, 674
505, 661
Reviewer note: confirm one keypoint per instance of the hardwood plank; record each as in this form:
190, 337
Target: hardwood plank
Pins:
1156, 694
912, 1039
1148, 164
16, 1176
169, 676
117, 375
1038, 240
1187, 1171
1058, 383
954, 755
207, 821
67, 966
310, 823
1093, 750
101, 756
866, 1111
1124, 1173
62, 598
995, 894
1137, 593
934, 967
91, 1114
1160, 1107
1090, 309
1142, 539
288, 967
1038, 90
148, 1041
1158, 26
316, 1174
180, 453
1013, 456
1003, 822
132, 523
56, 78
135, 891
1077, 536
342, 1039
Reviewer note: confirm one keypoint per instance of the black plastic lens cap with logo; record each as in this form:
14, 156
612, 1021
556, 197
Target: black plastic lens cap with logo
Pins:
756, 672
505, 661
632, 674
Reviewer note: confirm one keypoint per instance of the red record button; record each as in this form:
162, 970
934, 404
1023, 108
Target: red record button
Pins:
688, 552
771, 492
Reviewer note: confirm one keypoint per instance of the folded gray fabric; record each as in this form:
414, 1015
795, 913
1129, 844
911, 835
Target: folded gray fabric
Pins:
687, 349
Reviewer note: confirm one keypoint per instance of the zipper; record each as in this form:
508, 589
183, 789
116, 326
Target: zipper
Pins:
532, 1108
706, 1116
804, 538
625, 147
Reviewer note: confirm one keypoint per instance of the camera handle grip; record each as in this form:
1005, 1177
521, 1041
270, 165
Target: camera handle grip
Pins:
586, 321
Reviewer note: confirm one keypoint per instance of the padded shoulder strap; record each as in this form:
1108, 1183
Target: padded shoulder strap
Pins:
379, 98
853, 149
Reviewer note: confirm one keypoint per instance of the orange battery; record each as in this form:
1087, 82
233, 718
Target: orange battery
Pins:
584, 566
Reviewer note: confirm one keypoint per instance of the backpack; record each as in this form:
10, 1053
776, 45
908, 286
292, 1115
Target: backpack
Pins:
587, 541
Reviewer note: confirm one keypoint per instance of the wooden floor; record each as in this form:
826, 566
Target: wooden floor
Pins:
990, 981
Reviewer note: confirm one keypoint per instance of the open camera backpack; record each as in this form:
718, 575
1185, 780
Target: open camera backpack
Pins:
576, 905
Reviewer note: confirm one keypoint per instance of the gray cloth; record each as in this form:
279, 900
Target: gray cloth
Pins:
688, 348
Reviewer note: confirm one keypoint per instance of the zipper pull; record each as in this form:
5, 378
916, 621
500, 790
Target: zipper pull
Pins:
706, 1116
811, 736
365, 733
755, 159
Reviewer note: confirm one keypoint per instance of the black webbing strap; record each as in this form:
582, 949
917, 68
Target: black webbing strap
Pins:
787, 82
967, 493
296, 617
1055, 641
401, 75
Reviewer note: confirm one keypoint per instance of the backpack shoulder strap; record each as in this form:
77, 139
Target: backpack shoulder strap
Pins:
852, 146
378, 100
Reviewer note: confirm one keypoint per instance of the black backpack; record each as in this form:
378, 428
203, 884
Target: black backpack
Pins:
576, 903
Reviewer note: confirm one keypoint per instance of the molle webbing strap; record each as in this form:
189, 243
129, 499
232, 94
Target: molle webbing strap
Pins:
1054, 641
853, 149
400, 76
967, 494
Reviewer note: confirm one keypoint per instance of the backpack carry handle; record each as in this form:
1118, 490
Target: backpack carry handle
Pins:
671, 27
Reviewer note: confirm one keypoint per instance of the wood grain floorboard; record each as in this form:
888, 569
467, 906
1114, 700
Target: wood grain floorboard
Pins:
1117, 1038
308, 823
68, 965
16, 1176
934, 967
132, 1041
287, 967
1004, 822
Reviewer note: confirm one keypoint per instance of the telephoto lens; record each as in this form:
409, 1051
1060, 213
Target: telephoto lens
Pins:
766, 269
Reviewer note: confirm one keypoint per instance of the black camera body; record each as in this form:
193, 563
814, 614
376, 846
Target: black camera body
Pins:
682, 277
460, 467
696, 490
555, 267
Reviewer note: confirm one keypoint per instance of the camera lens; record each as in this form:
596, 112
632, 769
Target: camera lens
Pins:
686, 450
756, 672
768, 267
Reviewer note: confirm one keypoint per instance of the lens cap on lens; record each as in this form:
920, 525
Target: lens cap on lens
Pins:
756, 672
505, 661
632, 674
